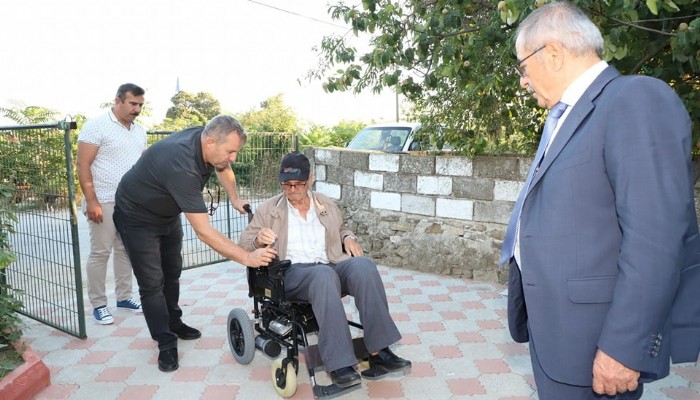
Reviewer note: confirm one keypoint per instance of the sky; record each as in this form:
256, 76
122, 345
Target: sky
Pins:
72, 55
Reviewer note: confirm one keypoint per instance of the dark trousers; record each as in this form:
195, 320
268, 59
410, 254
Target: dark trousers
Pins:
154, 251
322, 285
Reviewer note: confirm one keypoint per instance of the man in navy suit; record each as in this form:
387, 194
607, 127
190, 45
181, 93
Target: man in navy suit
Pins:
603, 248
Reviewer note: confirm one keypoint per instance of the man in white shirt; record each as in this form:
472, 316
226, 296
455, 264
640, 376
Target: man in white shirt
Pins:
108, 146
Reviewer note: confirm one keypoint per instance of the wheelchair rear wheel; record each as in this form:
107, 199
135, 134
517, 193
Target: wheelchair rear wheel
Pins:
241, 337
290, 379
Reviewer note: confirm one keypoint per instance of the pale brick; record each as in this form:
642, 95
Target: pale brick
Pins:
450, 208
418, 205
384, 162
329, 189
369, 180
386, 201
439, 185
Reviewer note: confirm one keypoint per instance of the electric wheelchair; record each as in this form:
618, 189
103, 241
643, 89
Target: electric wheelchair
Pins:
281, 324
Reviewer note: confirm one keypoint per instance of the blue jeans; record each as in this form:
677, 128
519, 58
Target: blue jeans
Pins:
155, 254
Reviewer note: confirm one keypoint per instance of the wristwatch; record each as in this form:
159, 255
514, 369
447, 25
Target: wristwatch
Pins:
348, 236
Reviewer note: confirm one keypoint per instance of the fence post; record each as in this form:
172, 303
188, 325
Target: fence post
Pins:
67, 127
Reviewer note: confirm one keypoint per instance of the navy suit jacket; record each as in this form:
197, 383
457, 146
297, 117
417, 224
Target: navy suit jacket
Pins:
609, 240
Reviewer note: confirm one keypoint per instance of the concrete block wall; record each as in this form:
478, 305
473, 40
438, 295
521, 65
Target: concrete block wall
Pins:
437, 214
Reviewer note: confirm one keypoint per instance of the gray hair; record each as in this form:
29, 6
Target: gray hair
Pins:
221, 126
562, 22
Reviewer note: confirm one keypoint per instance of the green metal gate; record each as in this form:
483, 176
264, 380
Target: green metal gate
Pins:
37, 165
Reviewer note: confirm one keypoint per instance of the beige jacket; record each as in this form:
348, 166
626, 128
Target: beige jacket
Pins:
272, 214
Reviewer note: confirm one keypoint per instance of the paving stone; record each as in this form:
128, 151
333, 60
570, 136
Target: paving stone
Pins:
454, 331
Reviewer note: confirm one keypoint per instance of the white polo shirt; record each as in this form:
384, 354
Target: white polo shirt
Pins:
119, 149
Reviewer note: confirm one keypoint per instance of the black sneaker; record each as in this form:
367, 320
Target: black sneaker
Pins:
383, 363
167, 360
345, 377
185, 332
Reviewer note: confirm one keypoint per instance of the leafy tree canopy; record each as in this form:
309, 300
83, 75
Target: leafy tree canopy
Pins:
189, 110
453, 60
273, 116
23, 114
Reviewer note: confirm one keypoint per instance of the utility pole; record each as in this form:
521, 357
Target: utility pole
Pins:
396, 90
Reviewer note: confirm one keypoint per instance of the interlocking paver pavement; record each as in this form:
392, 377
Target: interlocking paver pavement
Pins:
453, 330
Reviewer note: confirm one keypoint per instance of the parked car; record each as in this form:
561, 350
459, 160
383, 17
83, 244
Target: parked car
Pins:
391, 137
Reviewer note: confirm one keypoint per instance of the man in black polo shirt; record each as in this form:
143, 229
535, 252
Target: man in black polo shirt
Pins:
168, 180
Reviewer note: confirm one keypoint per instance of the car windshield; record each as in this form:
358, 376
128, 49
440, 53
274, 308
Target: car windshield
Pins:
380, 138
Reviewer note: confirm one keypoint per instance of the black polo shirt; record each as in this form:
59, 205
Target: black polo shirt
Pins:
167, 180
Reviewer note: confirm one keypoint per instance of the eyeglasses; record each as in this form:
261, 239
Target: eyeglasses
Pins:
287, 185
213, 205
520, 68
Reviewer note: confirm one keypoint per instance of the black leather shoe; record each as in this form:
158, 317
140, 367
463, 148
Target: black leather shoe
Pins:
185, 332
167, 360
345, 377
388, 361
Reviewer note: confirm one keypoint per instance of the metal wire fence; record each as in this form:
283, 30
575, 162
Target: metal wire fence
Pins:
37, 164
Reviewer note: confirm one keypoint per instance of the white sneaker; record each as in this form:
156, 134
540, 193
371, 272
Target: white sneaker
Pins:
103, 316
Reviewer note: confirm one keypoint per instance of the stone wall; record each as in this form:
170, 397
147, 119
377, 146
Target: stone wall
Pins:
437, 214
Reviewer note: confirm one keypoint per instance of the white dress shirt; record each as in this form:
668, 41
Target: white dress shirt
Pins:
306, 237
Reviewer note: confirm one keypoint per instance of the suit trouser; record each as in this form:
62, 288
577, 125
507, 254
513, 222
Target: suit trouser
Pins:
154, 251
322, 285
104, 240
549, 389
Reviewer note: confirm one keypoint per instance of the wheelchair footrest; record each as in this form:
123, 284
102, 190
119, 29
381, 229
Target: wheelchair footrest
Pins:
333, 391
313, 357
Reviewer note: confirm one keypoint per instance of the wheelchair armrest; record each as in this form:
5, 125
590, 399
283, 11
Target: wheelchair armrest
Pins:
268, 282
277, 268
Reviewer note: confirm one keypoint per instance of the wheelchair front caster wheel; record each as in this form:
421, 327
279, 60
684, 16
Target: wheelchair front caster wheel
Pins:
241, 337
364, 363
284, 386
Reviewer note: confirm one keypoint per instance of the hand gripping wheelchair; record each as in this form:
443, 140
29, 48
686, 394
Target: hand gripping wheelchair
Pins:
279, 323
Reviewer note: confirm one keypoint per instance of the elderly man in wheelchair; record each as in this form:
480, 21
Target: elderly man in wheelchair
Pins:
326, 262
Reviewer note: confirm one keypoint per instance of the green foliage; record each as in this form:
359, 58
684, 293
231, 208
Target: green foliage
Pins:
7, 221
10, 323
257, 165
453, 60
273, 116
338, 135
10, 359
189, 110
23, 114
33, 161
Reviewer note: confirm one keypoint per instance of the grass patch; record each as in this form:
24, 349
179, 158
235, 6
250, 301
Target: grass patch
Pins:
10, 359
